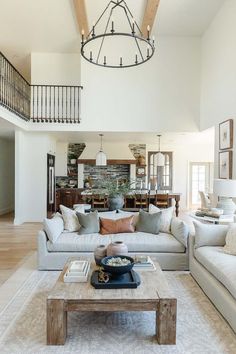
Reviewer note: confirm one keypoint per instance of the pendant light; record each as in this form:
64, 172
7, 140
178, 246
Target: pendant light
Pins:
160, 158
101, 158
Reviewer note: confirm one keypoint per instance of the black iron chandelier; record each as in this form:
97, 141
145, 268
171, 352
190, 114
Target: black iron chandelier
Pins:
103, 40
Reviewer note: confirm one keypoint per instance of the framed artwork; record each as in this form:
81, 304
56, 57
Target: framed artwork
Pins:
225, 164
226, 134
141, 171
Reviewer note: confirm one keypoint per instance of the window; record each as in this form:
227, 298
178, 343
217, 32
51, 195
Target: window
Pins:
160, 176
201, 177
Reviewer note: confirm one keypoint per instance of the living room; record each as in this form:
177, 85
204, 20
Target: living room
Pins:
154, 119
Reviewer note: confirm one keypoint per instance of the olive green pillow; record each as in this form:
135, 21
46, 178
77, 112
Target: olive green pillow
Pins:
149, 223
89, 223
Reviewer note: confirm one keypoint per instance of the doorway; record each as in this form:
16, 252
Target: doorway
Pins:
201, 179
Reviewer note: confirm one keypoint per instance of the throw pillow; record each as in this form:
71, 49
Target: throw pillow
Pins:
180, 230
53, 227
166, 216
149, 223
209, 235
71, 221
89, 223
108, 226
230, 240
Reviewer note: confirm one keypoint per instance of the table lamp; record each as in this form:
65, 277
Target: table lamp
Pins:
225, 189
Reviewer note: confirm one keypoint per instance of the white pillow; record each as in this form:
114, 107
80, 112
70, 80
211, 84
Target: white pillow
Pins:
209, 235
71, 222
166, 216
230, 240
180, 230
53, 227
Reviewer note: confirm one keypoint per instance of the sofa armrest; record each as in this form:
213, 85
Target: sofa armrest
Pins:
180, 230
42, 242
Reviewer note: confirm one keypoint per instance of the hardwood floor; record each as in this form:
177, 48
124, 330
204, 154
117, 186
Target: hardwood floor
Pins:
16, 243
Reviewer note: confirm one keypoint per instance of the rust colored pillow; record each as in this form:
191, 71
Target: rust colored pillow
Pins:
109, 226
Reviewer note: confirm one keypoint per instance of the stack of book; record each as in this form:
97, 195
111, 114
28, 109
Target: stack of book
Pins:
143, 263
77, 272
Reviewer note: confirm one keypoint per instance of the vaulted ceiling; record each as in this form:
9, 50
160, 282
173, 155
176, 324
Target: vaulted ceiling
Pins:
50, 25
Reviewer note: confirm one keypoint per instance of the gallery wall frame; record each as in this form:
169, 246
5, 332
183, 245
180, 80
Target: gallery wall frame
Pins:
225, 164
226, 134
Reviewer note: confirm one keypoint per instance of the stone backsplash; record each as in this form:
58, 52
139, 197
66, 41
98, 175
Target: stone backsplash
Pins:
98, 174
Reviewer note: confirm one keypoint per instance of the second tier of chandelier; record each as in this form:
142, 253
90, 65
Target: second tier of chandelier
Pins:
140, 56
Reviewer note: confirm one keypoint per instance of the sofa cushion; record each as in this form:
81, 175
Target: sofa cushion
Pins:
180, 230
136, 242
89, 223
209, 235
222, 266
230, 240
166, 217
122, 225
53, 227
71, 222
149, 223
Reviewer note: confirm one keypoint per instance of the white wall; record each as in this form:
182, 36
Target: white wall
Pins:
55, 69
7, 175
31, 175
161, 95
218, 101
183, 154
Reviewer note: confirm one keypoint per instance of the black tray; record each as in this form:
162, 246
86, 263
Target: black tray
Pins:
130, 280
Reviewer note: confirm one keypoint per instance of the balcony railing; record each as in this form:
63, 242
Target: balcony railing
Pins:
37, 103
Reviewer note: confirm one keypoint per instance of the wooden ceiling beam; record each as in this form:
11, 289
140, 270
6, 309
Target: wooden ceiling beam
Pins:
81, 15
149, 15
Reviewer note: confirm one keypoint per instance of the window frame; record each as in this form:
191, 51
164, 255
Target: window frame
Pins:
160, 169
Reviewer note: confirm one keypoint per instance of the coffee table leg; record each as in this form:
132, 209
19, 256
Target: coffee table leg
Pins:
166, 321
56, 322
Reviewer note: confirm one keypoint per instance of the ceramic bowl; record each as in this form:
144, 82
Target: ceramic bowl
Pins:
117, 270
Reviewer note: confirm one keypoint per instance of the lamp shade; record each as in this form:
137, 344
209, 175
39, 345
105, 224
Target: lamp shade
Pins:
225, 188
160, 159
101, 159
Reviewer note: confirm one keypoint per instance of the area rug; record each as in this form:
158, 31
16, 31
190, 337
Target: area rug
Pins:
200, 327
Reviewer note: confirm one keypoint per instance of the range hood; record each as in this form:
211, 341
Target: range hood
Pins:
116, 153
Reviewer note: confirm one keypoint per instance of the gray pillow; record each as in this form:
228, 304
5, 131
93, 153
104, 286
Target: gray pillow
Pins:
180, 230
149, 223
209, 235
89, 223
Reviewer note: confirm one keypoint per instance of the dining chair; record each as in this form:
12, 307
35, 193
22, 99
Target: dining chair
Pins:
98, 201
205, 201
141, 200
162, 200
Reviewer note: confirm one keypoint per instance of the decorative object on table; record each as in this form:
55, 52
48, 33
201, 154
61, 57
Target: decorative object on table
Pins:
117, 248
226, 134
213, 212
77, 272
99, 253
102, 280
101, 158
160, 158
114, 34
225, 164
117, 265
110, 226
143, 263
225, 189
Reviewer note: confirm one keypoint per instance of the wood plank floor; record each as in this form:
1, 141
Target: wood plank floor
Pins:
16, 243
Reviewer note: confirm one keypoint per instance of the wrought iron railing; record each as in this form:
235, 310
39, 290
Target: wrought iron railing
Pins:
60, 104
37, 103
14, 89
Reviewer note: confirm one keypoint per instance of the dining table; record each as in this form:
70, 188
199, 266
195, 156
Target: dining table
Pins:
152, 194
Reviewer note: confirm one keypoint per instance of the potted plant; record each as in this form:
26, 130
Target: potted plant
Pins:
72, 159
115, 190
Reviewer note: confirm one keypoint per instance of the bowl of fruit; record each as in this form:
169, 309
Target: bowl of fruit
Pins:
117, 265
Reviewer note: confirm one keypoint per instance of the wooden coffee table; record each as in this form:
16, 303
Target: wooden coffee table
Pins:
152, 295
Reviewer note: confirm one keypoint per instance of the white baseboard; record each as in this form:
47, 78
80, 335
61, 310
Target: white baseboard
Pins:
6, 210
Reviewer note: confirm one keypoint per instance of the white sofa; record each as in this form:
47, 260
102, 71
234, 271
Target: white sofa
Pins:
214, 270
169, 249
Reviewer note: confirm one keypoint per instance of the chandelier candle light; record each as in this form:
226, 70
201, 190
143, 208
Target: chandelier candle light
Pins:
93, 47
101, 158
160, 157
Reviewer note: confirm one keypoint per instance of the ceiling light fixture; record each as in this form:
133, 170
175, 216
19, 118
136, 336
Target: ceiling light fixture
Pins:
93, 48
101, 158
160, 158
